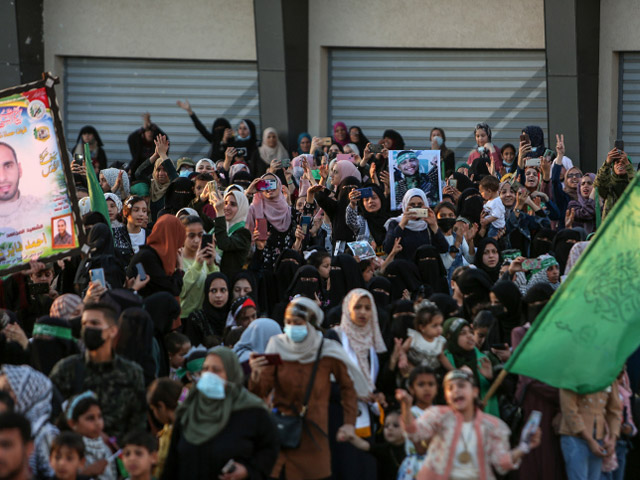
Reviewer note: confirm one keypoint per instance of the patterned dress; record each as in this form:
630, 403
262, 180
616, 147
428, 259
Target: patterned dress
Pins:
413, 461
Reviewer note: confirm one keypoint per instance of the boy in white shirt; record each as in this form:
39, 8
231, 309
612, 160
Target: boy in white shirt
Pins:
493, 211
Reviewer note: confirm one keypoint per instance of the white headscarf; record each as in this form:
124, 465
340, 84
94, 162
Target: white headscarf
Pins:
267, 153
413, 225
205, 160
111, 175
243, 208
113, 197
85, 205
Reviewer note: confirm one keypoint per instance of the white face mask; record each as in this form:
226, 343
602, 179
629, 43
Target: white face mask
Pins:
438, 140
211, 386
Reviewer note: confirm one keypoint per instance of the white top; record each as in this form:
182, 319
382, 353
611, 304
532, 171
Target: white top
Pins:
495, 208
138, 239
468, 439
428, 351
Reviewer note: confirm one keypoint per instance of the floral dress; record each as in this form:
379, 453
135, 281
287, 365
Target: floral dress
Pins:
413, 461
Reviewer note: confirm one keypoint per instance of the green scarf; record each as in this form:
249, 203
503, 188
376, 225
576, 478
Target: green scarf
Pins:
202, 418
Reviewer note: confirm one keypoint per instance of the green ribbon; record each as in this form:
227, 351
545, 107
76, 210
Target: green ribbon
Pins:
52, 331
192, 366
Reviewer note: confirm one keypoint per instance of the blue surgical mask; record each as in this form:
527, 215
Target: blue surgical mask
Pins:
296, 333
481, 149
185, 173
438, 140
211, 386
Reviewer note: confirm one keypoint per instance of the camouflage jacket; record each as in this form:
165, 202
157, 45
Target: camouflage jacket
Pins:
119, 385
610, 186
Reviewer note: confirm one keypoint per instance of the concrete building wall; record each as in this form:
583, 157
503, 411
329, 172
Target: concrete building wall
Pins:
456, 24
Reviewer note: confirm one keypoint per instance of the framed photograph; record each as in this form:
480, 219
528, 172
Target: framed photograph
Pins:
37, 192
414, 169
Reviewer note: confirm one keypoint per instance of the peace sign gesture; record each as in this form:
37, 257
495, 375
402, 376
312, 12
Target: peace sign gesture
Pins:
559, 148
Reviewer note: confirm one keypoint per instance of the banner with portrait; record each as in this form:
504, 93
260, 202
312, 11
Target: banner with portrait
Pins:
414, 169
39, 217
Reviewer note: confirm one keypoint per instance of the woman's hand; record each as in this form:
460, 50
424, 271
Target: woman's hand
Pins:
179, 261
227, 136
311, 192
485, 368
186, 106
257, 363
503, 354
354, 196
569, 216
521, 198
492, 167
397, 247
345, 433
612, 156
162, 146
324, 172
516, 266
94, 292
260, 244
297, 245
274, 166
229, 154
137, 284
559, 149
14, 333
240, 473
524, 152
453, 191
118, 185
407, 216
431, 220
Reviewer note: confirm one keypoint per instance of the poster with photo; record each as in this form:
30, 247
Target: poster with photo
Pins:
414, 169
39, 217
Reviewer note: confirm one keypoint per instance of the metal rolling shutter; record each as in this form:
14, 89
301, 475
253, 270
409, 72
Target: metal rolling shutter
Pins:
414, 90
112, 94
629, 104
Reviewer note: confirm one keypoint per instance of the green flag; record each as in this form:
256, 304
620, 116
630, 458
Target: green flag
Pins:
98, 203
584, 335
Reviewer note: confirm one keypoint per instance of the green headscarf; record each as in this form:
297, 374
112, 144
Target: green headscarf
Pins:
451, 331
202, 418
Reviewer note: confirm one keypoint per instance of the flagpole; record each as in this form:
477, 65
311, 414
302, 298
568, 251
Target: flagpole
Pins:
494, 386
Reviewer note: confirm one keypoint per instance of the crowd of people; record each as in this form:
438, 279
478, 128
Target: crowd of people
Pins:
239, 333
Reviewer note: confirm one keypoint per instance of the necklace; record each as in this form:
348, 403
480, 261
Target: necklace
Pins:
465, 456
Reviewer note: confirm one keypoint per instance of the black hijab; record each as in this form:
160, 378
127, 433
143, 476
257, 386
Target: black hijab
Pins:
470, 205
248, 276
251, 143
403, 275
217, 317
562, 245
493, 272
164, 310
383, 300
402, 316
345, 276
475, 285
453, 328
376, 220
217, 133
102, 254
446, 304
509, 313
89, 129
464, 182
48, 349
306, 282
339, 228
431, 269
178, 195
536, 137
135, 340
362, 143
540, 245
285, 268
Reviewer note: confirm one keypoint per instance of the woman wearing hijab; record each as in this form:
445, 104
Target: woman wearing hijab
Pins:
345, 275
488, 258
114, 207
340, 134
304, 143
412, 230
574, 254
165, 312
299, 348
548, 273
542, 242
432, 271
307, 283
562, 244
506, 307
484, 148
461, 351
135, 341
613, 177
357, 136
273, 286
160, 258
212, 318
584, 207
115, 181
272, 148
102, 254
88, 134
470, 205
221, 421
233, 239
366, 217
178, 196
246, 138
33, 393
403, 275
52, 340
271, 205
255, 339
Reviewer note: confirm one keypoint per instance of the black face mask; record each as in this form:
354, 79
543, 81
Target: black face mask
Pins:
497, 311
533, 311
446, 224
92, 338
539, 247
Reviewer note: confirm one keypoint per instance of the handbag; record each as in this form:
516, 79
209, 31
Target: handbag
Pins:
290, 426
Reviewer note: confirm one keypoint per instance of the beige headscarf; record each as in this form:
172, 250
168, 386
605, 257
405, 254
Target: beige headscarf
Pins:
267, 153
158, 189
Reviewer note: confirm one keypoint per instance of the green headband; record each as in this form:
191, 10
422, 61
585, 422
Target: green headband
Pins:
406, 156
192, 366
141, 189
52, 331
546, 263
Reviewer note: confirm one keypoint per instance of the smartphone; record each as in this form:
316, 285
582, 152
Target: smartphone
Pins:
376, 148
207, 239
326, 141
453, 182
316, 174
366, 192
420, 212
547, 153
532, 425
285, 162
141, 273
305, 221
261, 225
619, 144
39, 288
229, 467
499, 346
265, 185
241, 152
272, 358
345, 156
97, 276
531, 264
525, 138
78, 158
533, 162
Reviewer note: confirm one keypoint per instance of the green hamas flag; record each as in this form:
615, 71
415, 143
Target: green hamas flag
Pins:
584, 335
98, 203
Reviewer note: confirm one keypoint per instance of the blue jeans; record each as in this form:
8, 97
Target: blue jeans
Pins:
622, 447
492, 232
580, 463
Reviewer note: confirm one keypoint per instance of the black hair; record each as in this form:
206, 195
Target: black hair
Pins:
174, 341
140, 438
92, 218
425, 315
204, 177
317, 257
5, 398
444, 204
482, 320
83, 407
417, 371
128, 204
489, 182
444, 137
364, 264
508, 145
70, 440
191, 220
108, 310
164, 390
6, 145
16, 421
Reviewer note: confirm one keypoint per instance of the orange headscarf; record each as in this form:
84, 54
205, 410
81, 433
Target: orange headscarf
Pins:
166, 238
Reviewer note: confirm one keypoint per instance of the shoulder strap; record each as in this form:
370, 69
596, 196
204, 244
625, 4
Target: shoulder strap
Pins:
311, 380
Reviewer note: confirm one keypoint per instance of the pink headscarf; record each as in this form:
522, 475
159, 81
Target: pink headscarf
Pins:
276, 210
297, 161
346, 140
348, 169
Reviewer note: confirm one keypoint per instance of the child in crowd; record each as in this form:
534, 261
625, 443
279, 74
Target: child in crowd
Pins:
463, 441
178, 345
423, 388
66, 456
390, 453
139, 454
427, 342
84, 417
493, 210
162, 397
